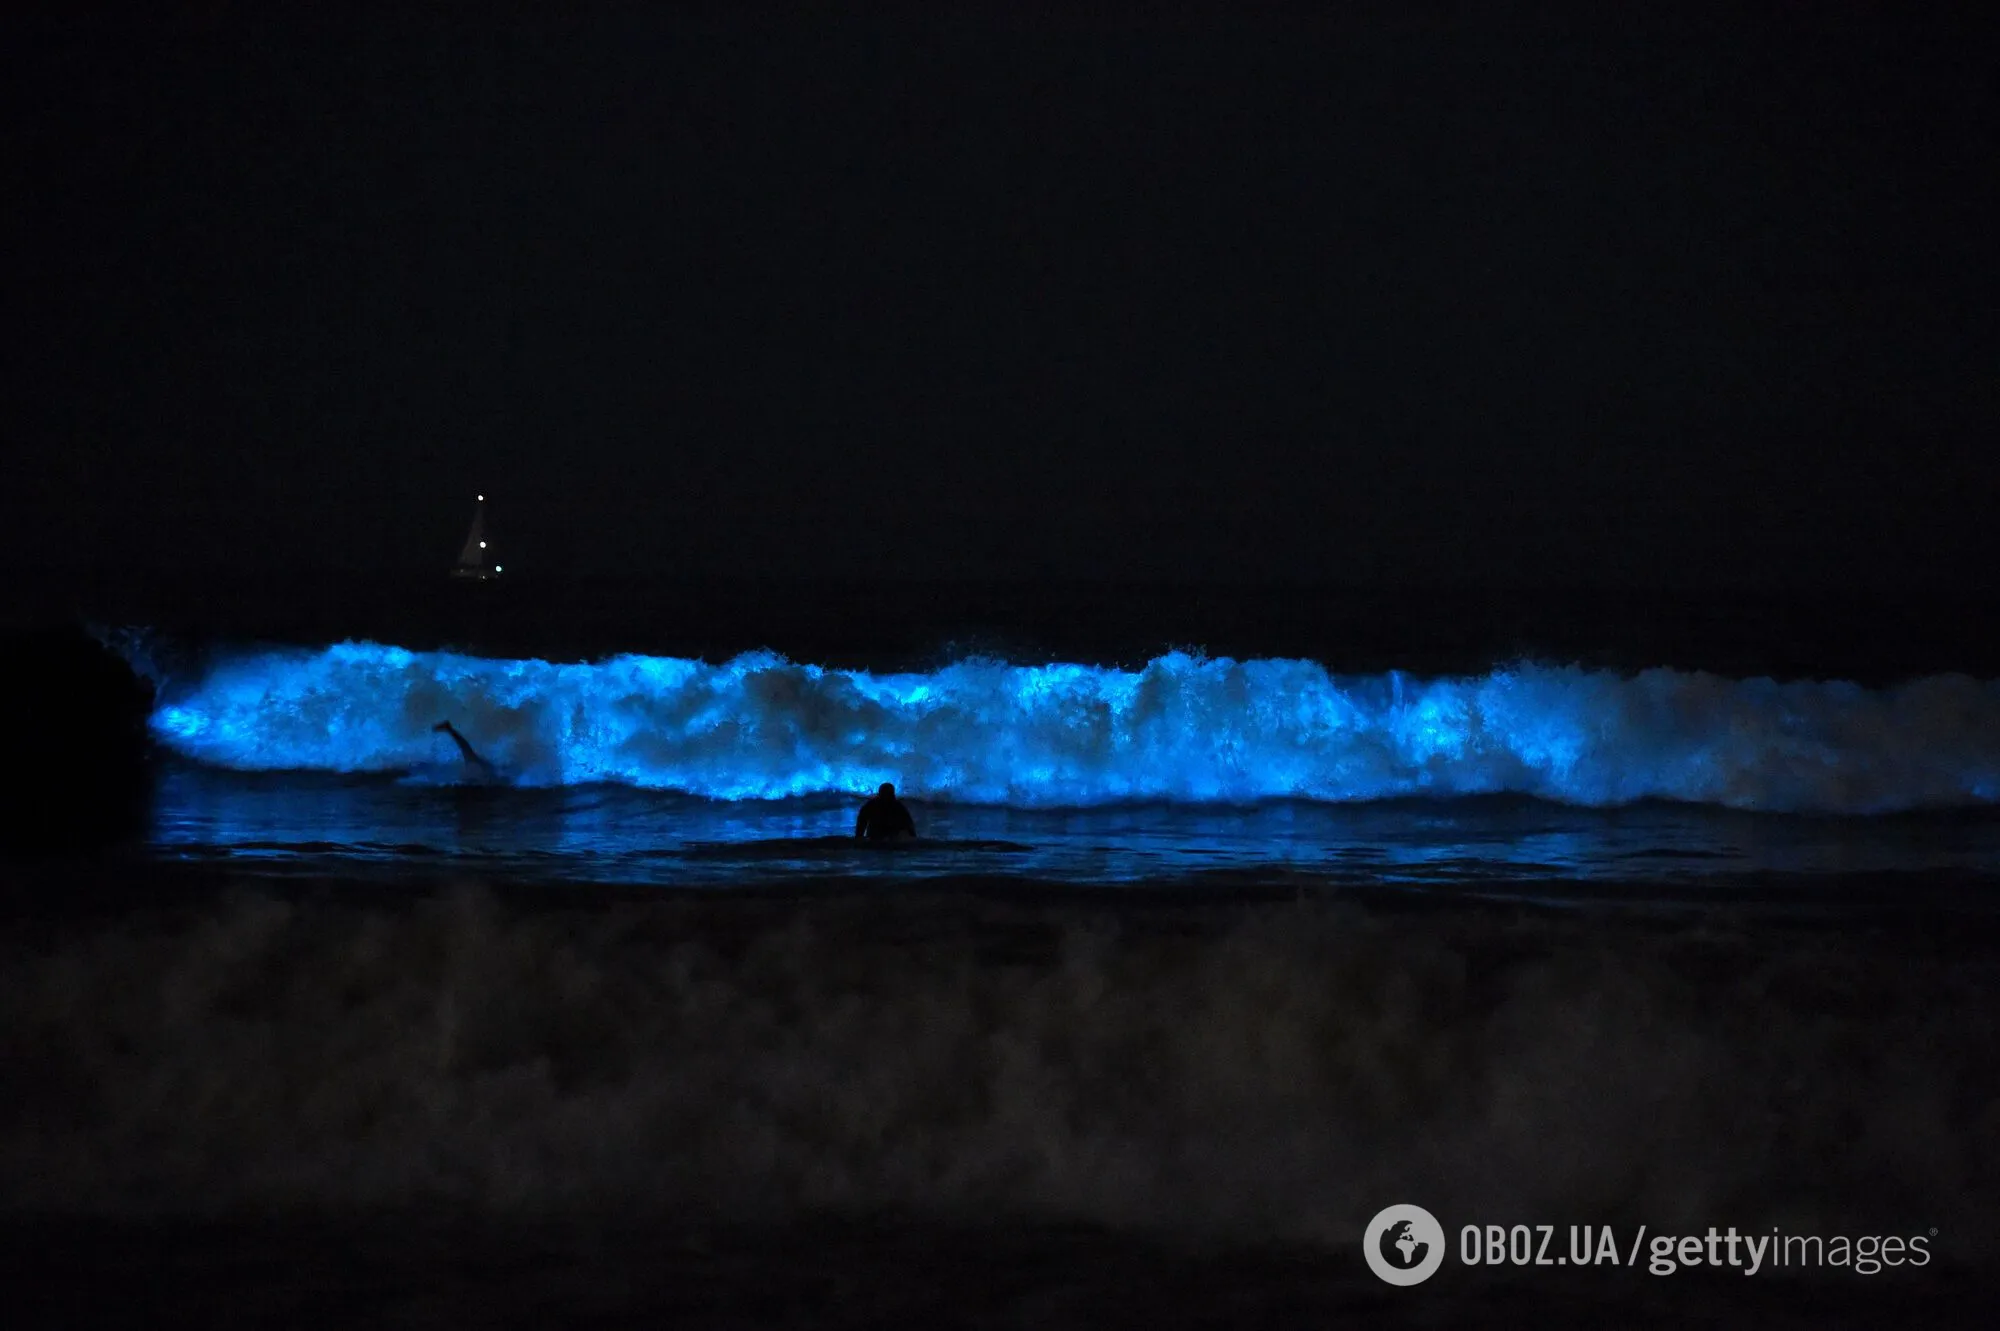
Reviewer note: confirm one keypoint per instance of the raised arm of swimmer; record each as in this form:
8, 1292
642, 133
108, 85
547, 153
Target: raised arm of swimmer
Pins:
465, 749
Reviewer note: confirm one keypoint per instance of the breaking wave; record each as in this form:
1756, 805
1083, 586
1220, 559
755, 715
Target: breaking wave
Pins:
1183, 728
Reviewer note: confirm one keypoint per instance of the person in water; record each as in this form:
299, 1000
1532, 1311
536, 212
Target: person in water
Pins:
884, 818
473, 762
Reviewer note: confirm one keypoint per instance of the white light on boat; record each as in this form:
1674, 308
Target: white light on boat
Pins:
482, 545
496, 568
482, 499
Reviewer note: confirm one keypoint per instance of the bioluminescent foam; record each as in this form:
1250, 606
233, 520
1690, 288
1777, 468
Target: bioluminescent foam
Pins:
1183, 728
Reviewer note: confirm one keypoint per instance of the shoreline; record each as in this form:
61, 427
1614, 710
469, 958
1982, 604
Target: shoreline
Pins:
1953, 902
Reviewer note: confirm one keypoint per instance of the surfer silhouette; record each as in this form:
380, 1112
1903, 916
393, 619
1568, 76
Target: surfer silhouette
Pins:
884, 818
465, 750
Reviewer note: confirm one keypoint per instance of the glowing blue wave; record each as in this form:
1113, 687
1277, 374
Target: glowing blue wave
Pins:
1181, 729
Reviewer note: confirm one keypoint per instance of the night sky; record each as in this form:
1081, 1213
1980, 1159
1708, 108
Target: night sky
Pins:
1539, 302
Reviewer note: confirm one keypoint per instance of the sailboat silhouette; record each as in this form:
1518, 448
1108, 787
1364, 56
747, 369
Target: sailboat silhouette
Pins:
476, 559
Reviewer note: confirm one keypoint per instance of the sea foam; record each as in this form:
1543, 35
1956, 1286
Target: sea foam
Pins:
1256, 1071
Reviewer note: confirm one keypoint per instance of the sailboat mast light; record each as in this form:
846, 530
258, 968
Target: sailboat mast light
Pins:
476, 551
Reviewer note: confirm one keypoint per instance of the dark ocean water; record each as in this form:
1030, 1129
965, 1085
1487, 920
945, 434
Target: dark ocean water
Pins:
286, 824
1870, 635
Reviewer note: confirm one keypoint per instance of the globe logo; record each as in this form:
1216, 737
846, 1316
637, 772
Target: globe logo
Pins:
1404, 1244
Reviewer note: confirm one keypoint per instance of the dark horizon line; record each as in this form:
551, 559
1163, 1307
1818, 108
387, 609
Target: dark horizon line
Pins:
56, 578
